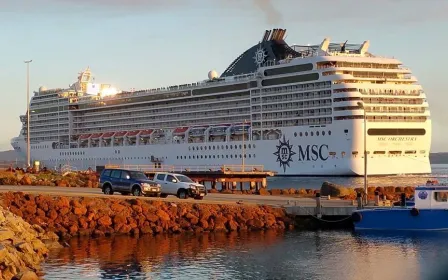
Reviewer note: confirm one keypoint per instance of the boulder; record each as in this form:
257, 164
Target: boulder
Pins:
335, 190
263, 191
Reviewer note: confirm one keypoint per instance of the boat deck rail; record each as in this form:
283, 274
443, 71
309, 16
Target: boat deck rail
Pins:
193, 168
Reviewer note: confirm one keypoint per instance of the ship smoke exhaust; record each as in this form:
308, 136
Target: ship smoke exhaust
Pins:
273, 16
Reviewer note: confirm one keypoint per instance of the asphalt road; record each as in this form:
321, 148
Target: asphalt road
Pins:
211, 198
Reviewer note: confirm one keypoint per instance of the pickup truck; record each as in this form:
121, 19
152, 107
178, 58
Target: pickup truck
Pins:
127, 182
179, 185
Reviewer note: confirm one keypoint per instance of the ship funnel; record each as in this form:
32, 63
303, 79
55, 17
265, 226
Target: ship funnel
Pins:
364, 47
274, 32
268, 35
265, 37
283, 34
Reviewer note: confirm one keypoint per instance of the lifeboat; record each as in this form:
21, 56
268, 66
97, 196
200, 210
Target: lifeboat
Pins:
180, 130
146, 133
240, 128
120, 134
96, 135
108, 135
133, 133
219, 129
84, 136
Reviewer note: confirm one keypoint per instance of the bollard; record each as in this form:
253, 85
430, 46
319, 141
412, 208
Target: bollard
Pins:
359, 198
377, 198
318, 206
403, 200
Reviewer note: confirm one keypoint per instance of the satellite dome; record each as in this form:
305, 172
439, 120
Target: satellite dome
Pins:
42, 88
212, 74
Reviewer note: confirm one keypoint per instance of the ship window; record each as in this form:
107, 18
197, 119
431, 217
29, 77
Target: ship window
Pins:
329, 132
312, 134
323, 133
306, 133
396, 131
441, 196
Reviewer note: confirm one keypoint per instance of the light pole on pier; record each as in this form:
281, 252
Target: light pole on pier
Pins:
243, 148
361, 105
28, 145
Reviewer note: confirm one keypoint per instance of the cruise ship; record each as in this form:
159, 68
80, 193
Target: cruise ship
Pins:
298, 110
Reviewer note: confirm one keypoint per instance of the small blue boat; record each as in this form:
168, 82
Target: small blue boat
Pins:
428, 211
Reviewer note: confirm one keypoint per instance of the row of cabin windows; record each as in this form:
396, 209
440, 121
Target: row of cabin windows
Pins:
226, 147
216, 156
312, 133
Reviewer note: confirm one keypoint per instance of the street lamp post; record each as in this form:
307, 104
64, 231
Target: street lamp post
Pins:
361, 105
243, 148
28, 145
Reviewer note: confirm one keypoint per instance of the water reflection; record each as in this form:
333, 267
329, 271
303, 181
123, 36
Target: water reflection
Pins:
439, 172
270, 255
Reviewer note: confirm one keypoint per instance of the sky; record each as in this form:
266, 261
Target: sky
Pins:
153, 43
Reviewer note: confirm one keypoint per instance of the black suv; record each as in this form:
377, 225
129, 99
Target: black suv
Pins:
128, 182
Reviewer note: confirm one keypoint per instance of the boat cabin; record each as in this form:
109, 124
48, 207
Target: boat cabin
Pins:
431, 196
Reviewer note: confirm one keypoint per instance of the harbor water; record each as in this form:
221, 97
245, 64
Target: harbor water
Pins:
439, 172
335, 255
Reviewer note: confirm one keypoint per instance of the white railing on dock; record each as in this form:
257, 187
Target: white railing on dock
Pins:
191, 168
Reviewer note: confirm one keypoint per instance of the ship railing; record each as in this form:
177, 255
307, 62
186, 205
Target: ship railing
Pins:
239, 78
191, 168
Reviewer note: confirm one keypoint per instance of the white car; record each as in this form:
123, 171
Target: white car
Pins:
179, 185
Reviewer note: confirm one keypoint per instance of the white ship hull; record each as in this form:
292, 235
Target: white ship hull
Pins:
303, 110
338, 154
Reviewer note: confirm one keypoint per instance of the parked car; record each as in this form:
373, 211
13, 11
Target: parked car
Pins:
179, 185
128, 182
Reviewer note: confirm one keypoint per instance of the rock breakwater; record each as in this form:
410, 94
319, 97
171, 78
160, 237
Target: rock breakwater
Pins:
22, 247
73, 216
49, 178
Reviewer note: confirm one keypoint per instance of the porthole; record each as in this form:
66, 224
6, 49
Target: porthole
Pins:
329, 132
300, 134
306, 133
240, 147
254, 146
231, 156
317, 133
295, 134
231, 147
249, 146
323, 133
227, 147
312, 133
254, 155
